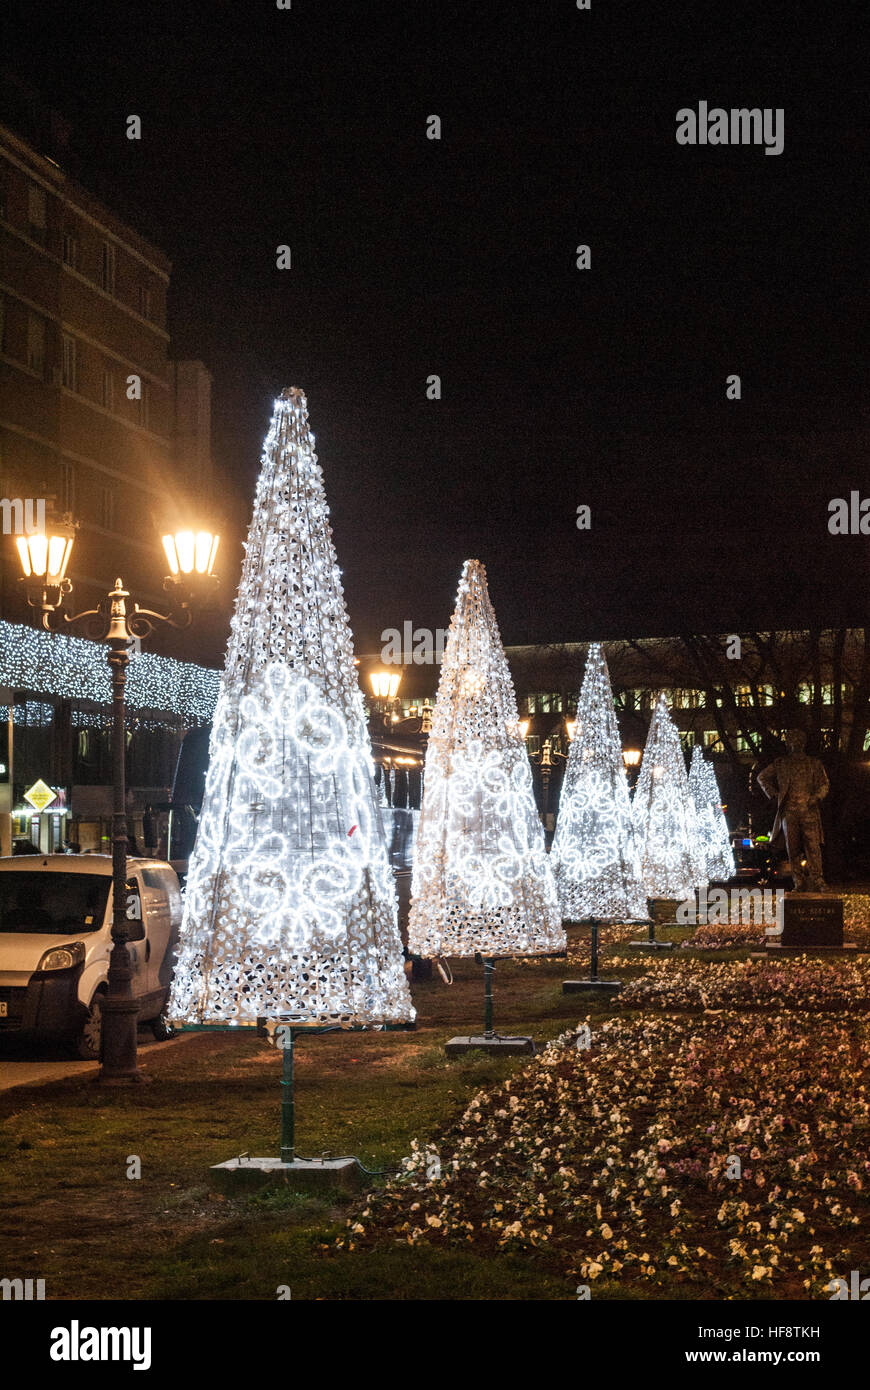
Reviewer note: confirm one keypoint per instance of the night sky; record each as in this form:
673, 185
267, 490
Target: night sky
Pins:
457, 257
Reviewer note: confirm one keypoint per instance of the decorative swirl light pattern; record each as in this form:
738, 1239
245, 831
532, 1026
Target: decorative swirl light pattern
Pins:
712, 826
594, 856
481, 879
290, 910
671, 860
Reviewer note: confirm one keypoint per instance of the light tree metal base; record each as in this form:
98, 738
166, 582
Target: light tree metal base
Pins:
489, 1041
650, 943
508, 1047
246, 1174
593, 985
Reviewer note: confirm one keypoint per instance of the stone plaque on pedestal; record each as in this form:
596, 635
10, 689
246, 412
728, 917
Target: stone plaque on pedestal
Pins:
812, 920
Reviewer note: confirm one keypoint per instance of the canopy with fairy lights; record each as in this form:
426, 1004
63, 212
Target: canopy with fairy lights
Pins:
481, 879
290, 909
594, 858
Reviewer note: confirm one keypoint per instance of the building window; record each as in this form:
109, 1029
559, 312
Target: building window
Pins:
144, 302
712, 740
69, 364
68, 486
36, 343
107, 394
688, 699
107, 269
106, 512
36, 212
533, 744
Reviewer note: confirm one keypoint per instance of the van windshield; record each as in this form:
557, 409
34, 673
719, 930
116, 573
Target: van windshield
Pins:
52, 903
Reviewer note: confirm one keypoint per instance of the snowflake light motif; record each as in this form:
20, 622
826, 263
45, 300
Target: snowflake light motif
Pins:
481, 879
290, 910
594, 858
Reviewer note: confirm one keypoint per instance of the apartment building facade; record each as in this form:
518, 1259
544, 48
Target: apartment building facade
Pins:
95, 417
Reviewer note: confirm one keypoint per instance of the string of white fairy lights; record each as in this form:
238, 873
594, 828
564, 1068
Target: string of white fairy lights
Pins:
73, 668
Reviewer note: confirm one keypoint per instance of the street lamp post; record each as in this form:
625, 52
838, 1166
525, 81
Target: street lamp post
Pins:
546, 760
631, 759
44, 560
385, 687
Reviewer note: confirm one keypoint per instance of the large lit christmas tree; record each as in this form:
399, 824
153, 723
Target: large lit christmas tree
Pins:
481, 881
712, 827
664, 815
594, 859
290, 910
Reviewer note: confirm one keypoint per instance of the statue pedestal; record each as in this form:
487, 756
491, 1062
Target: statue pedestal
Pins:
810, 922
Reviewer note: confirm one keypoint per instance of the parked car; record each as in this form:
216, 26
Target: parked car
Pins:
56, 936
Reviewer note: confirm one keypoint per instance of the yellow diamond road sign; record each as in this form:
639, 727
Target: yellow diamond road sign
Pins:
40, 795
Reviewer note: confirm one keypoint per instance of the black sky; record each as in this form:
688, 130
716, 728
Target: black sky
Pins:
456, 257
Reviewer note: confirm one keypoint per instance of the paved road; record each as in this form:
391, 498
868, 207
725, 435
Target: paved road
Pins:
22, 1067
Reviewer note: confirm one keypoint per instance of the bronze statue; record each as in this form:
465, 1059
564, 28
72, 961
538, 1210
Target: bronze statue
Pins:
799, 783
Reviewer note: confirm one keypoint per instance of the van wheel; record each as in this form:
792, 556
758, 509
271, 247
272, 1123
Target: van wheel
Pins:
162, 1028
88, 1041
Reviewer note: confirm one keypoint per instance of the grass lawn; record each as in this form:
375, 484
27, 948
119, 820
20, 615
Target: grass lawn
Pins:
73, 1218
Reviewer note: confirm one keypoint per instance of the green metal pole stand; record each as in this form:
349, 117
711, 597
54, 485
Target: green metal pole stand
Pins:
488, 968
288, 1102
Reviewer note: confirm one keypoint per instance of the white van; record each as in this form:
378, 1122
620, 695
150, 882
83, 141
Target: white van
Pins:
56, 936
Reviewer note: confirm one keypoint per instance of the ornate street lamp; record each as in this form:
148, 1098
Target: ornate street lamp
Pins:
547, 760
631, 759
44, 560
385, 686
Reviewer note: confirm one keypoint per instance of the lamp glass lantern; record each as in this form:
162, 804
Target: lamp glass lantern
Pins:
191, 552
45, 555
384, 684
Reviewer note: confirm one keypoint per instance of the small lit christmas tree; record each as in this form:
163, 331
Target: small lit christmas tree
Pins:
594, 858
664, 815
481, 881
713, 834
290, 910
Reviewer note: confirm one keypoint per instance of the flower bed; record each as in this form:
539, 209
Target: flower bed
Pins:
619, 1163
729, 936
610, 934
798, 982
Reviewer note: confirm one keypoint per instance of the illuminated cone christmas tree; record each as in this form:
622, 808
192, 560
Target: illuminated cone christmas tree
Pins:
664, 815
290, 909
712, 828
482, 880
594, 858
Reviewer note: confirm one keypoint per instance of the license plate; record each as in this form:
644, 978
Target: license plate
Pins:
4, 1009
